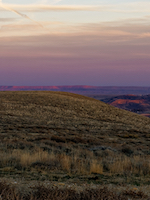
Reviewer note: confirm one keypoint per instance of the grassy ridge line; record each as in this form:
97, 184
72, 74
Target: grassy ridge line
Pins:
56, 96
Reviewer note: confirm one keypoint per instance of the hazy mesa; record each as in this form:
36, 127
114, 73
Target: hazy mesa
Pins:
138, 104
83, 89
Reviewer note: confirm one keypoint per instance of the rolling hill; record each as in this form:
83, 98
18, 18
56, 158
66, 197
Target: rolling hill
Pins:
66, 111
72, 139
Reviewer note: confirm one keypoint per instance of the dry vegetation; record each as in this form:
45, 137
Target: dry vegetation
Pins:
68, 138
57, 192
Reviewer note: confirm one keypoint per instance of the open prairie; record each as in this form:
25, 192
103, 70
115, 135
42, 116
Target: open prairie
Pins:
73, 143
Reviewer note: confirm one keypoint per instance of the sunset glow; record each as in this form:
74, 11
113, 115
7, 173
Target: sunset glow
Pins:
56, 42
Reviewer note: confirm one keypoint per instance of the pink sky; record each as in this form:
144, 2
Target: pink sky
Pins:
84, 59
104, 53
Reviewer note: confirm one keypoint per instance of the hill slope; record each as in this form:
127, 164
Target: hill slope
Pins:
66, 110
46, 135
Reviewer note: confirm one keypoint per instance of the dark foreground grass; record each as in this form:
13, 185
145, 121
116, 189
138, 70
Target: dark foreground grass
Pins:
41, 192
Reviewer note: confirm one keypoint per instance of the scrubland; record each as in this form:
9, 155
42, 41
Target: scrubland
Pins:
69, 146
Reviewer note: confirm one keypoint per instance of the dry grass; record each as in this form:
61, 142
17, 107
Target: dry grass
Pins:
75, 163
96, 167
68, 137
50, 191
66, 163
40, 192
39, 158
137, 165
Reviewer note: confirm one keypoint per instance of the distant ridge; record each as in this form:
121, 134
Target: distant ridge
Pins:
136, 103
83, 89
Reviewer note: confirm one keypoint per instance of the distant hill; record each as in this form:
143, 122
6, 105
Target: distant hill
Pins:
133, 103
83, 89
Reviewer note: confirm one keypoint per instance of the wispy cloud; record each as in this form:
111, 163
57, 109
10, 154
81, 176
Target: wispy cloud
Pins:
9, 8
114, 47
51, 2
125, 28
137, 7
106, 55
113, 32
40, 8
7, 19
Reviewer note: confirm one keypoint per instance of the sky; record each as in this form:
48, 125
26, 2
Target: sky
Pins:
78, 42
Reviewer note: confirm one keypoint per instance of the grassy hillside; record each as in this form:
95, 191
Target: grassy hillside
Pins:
72, 139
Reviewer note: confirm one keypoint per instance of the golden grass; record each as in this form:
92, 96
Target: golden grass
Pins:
74, 164
96, 167
26, 159
65, 162
137, 165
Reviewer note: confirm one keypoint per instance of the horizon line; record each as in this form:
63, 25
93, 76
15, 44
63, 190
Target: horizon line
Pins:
69, 86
